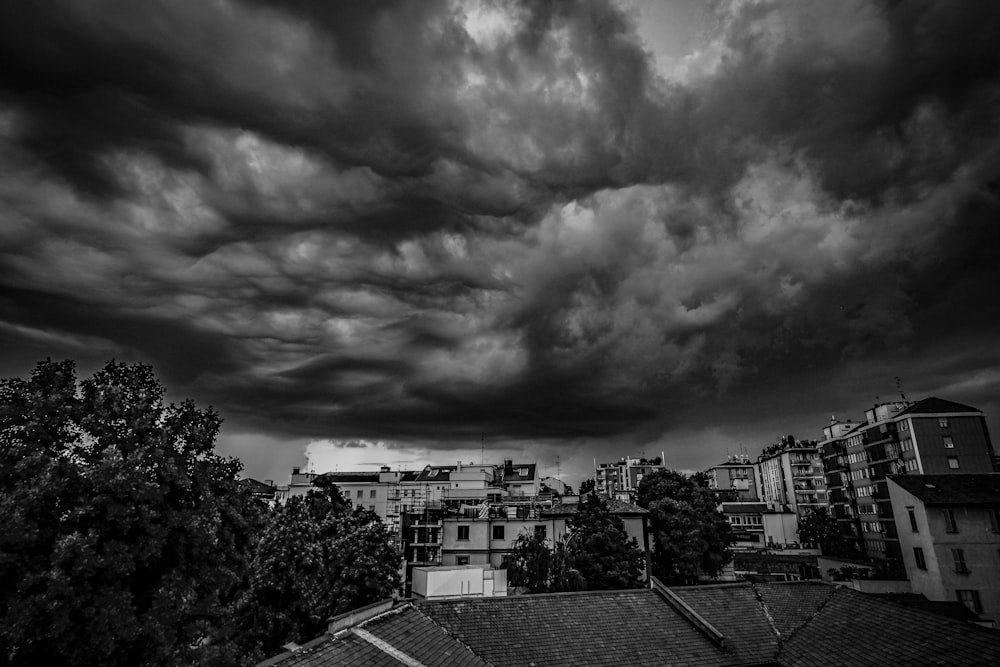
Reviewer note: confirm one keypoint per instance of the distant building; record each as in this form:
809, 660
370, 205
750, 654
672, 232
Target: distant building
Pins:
734, 480
791, 476
757, 526
949, 535
931, 436
620, 480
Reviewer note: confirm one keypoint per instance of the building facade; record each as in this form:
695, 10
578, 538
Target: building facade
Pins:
620, 480
734, 480
931, 436
949, 535
791, 476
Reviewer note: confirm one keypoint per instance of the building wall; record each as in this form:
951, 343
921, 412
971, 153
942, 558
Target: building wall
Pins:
968, 437
975, 536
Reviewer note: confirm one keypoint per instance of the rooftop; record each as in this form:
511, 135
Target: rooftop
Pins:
970, 489
785, 624
934, 405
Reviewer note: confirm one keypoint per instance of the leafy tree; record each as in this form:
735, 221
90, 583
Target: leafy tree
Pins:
317, 558
690, 535
540, 568
600, 549
597, 554
587, 486
124, 538
818, 527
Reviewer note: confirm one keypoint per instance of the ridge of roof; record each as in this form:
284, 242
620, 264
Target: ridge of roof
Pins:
933, 404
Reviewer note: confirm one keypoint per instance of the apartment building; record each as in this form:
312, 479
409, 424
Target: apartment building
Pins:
620, 480
931, 436
791, 476
734, 480
949, 535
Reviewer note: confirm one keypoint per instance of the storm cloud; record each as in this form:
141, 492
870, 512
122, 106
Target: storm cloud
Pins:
432, 222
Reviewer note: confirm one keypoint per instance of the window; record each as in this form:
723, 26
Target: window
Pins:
497, 532
953, 462
918, 555
949, 443
461, 560
361, 494
949, 521
943, 422
463, 532
958, 555
540, 532
913, 519
994, 520
970, 599
371, 494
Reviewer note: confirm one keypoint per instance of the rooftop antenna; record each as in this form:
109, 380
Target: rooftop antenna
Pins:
899, 388
558, 469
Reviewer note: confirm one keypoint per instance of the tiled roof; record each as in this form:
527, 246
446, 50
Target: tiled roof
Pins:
514, 475
852, 628
968, 489
786, 624
401, 633
257, 487
435, 474
934, 405
351, 477
735, 611
630, 627
614, 506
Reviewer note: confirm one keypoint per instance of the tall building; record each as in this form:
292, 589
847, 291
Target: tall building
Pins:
791, 475
734, 480
931, 436
620, 480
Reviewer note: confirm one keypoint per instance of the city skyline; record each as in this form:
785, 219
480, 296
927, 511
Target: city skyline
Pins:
435, 231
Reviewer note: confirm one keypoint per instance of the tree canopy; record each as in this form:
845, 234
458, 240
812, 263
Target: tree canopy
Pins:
690, 535
317, 557
818, 527
124, 538
596, 554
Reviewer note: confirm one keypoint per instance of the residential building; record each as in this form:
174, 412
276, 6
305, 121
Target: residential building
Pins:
949, 535
791, 476
779, 624
931, 436
620, 480
757, 526
734, 480
484, 535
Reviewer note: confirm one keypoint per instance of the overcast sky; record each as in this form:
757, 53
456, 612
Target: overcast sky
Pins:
392, 232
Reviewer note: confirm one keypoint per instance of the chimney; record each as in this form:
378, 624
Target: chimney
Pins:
269, 482
295, 471
384, 469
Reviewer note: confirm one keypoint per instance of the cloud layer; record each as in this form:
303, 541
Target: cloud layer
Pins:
419, 222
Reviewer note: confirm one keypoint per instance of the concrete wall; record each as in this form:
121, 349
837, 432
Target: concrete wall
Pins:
940, 581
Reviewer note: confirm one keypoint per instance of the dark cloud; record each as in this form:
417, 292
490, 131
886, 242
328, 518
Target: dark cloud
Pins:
426, 222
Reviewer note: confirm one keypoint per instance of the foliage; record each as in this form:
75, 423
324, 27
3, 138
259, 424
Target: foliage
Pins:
849, 573
317, 558
597, 554
690, 535
819, 527
587, 485
124, 538
601, 551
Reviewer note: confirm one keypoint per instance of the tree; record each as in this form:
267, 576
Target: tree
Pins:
690, 535
818, 527
124, 538
600, 549
597, 554
587, 486
317, 558
540, 568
